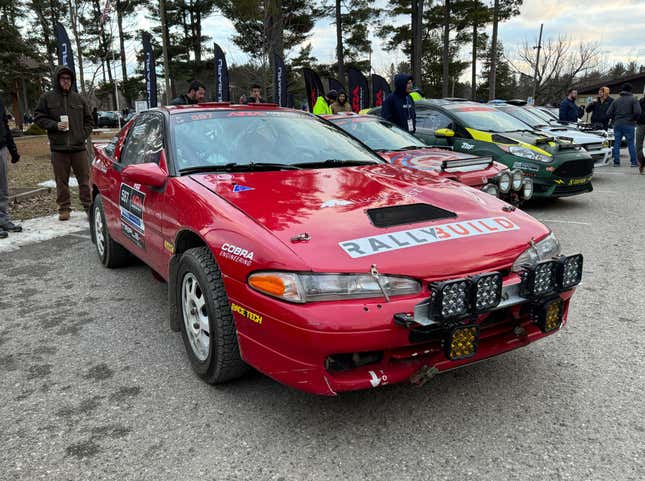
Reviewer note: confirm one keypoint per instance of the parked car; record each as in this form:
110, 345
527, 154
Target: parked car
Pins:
289, 246
107, 119
401, 148
595, 145
558, 168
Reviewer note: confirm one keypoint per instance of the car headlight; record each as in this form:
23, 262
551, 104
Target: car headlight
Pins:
301, 288
527, 188
526, 153
504, 180
517, 179
605, 144
491, 189
546, 249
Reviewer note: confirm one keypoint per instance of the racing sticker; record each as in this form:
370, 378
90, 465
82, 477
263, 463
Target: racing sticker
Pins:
367, 246
131, 204
236, 254
252, 316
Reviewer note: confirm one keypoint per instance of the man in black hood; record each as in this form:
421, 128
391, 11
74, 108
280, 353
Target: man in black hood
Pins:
398, 107
65, 116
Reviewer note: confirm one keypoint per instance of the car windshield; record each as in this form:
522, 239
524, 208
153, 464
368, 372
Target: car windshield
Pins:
541, 114
524, 115
487, 119
378, 134
224, 138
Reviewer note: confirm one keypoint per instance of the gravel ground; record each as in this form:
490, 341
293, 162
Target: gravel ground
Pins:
93, 385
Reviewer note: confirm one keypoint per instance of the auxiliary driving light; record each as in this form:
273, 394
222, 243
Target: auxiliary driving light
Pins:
462, 342
569, 271
540, 281
491, 189
548, 317
527, 188
450, 298
486, 292
517, 179
503, 180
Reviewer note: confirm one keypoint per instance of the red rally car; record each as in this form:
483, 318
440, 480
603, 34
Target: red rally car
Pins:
291, 247
401, 148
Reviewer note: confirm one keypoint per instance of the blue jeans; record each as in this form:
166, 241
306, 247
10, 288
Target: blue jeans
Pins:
626, 131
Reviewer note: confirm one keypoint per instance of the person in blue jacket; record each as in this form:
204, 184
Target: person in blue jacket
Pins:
398, 107
569, 111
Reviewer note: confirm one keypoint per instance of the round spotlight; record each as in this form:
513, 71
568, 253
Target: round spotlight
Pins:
517, 179
527, 188
504, 182
491, 189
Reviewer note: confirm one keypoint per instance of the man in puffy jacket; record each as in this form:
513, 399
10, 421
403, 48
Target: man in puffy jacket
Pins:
7, 149
569, 111
398, 107
600, 107
68, 121
625, 111
323, 104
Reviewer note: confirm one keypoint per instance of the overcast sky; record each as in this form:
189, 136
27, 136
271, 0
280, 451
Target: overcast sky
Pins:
616, 26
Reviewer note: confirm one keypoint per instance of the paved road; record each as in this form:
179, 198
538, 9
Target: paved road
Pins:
94, 386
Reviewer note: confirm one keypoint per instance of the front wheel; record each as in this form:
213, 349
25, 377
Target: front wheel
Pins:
207, 326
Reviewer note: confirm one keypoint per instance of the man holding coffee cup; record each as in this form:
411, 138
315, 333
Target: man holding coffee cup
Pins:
68, 121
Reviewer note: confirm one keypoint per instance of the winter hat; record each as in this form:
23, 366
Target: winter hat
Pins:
332, 94
627, 87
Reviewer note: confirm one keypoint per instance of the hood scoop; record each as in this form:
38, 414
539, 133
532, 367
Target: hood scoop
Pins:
407, 214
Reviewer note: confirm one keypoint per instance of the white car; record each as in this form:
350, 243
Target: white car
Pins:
595, 144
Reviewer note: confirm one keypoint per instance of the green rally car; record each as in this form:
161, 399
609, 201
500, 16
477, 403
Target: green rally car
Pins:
559, 168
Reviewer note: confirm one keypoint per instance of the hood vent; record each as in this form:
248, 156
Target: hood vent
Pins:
407, 214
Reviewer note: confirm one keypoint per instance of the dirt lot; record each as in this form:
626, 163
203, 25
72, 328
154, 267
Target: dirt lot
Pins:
35, 167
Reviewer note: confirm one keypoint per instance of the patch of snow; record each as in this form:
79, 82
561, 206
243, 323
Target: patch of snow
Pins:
43, 228
52, 183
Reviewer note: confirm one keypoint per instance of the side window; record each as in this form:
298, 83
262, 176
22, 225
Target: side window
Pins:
434, 120
144, 142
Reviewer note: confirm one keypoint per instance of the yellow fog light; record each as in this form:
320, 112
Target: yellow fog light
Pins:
462, 342
549, 316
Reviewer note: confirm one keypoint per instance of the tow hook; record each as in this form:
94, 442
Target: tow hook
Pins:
423, 375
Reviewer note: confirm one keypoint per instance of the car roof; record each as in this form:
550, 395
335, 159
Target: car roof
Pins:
175, 109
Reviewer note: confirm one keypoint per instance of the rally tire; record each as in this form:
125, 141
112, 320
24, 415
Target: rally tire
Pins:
199, 278
110, 253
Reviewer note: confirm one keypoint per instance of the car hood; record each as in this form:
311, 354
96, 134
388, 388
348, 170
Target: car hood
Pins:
577, 136
331, 207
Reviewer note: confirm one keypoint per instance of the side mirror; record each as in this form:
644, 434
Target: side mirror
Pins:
149, 174
444, 133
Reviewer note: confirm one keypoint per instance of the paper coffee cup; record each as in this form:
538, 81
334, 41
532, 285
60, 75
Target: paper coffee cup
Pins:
65, 119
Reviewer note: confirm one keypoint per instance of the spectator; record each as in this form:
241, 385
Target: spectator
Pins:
68, 121
624, 111
95, 116
7, 148
25, 119
323, 104
398, 107
599, 108
255, 97
195, 95
341, 104
640, 135
569, 111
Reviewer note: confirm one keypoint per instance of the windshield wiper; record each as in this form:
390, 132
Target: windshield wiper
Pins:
236, 167
336, 162
411, 147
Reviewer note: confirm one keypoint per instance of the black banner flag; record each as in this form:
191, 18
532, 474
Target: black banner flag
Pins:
222, 89
359, 94
380, 89
150, 71
280, 93
314, 87
336, 85
65, 53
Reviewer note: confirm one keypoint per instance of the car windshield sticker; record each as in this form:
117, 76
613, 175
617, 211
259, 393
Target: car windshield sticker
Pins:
367, 246
241, 188
474, 108
131, 204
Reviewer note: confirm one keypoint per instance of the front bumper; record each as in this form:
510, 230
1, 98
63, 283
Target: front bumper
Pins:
293, 343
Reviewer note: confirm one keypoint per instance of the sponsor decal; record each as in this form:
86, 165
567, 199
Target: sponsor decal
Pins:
525, 166
132, 207
169, 246
241, 188
559, 181
236, 254
335, 203
257, 318
377, 379
467, 146
580, 181
367, 246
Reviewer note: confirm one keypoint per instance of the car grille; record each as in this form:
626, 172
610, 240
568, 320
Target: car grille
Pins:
589, 147
575, 168
567, 190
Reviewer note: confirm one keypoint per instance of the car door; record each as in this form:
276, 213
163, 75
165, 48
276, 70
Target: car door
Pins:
138, 208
